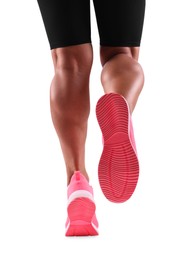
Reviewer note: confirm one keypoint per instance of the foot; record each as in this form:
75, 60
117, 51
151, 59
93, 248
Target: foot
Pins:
118, 167
81, 220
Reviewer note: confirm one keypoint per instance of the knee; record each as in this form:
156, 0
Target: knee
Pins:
72, 67
73, 59
121, 65
107, 53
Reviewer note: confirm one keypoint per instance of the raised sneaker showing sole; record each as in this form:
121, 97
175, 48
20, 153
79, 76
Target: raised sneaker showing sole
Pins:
118, 168
81, 208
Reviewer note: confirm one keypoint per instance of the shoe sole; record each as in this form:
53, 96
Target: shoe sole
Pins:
118, 168
80, 213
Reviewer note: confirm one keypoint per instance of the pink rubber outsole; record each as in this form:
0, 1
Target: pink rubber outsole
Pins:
118, 167
80, 213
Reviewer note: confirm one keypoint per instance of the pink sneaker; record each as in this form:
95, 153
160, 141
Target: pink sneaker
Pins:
81, 220
118, 167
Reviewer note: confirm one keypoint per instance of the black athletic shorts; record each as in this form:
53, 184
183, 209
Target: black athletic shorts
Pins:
67, 22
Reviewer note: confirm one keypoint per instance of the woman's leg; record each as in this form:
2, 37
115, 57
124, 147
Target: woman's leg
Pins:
118, 166
69, 101
122, 73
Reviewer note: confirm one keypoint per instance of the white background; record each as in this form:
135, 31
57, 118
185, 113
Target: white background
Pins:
158, 222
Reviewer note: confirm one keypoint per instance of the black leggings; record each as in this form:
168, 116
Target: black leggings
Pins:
67, 22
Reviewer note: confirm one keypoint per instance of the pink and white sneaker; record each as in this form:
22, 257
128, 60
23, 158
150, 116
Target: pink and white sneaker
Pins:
81, 220
118, 167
